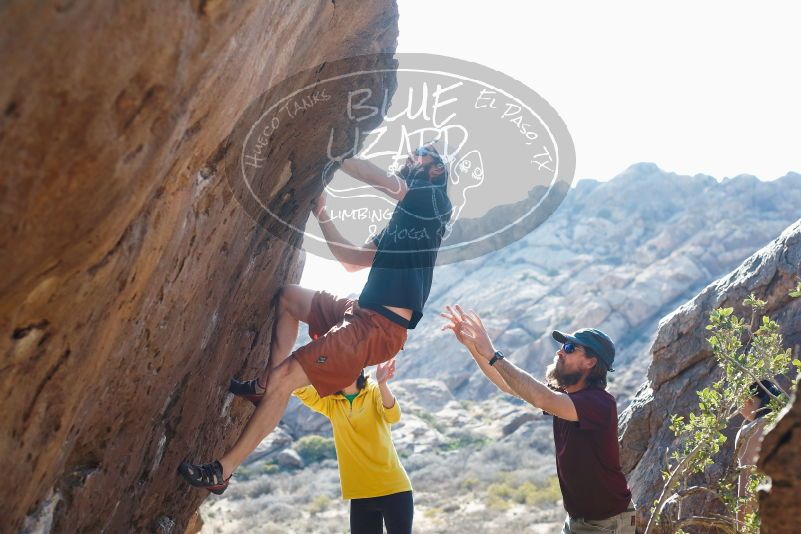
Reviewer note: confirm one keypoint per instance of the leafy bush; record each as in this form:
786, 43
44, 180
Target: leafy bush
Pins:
432, 513
319, 504
746, 353
429, 418
315, 448
504, 493
469, 484
245, 472
269, 468
461, 440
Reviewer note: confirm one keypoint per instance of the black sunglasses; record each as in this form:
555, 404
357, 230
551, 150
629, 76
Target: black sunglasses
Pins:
569, 348
425, 151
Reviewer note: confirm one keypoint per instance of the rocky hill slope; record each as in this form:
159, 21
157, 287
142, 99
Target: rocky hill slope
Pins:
657, 241
617, 255
681, 363
134, 285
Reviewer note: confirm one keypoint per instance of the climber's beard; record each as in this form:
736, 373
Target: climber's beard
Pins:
414, 173
559, 379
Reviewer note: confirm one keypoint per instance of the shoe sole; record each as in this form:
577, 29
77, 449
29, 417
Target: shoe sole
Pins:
217, 490
255, 399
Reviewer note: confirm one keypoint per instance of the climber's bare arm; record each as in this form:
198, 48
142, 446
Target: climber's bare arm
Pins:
371, 174
351, 257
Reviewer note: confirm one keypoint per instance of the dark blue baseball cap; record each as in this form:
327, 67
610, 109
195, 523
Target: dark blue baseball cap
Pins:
592, 338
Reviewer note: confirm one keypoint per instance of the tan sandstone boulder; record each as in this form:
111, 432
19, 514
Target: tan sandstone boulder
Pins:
134, 284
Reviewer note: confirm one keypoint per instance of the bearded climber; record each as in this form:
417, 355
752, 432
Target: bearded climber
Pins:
348, 334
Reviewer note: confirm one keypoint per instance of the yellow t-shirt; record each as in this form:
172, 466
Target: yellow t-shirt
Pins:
368, 463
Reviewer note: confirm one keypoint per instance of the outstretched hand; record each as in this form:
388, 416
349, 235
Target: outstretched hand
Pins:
385, 371
469, 330
455, 326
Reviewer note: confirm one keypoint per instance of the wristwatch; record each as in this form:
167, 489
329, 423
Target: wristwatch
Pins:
495, 357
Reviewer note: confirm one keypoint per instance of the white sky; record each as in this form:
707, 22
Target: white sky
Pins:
708, 87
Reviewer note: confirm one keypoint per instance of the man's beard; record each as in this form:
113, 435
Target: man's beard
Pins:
414, 173
558, 379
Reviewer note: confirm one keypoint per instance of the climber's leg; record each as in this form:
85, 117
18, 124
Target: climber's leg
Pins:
329, 362
321, 310
286, 378
294, 305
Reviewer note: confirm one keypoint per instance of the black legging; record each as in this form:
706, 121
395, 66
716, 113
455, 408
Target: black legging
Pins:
367, 516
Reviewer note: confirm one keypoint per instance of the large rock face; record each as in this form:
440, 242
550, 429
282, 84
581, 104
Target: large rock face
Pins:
134, 285
780, 459
682, 362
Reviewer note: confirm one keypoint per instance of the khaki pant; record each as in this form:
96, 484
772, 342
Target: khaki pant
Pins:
617, 524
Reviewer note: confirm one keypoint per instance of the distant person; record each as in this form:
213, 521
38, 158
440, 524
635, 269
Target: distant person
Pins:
370, 472
594, 490
749, 437
348, 334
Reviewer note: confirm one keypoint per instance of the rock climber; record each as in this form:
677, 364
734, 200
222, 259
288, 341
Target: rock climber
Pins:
348, 334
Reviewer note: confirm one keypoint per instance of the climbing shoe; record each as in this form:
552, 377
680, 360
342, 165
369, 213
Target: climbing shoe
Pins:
209, 476
249, 390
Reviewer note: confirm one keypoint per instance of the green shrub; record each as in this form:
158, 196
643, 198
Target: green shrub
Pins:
254, 471
245, 473
315, 449
432, 513
465, 439
504, 493
470, 484
746, 352
268, 468
430, 419
319, 504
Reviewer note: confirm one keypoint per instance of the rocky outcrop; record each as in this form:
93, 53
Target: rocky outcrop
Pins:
780, 459
134, 284
682, 362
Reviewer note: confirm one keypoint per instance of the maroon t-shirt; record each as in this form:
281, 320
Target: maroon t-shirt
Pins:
588, 458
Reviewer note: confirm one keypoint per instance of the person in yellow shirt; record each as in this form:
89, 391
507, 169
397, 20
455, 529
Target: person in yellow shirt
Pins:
370, 472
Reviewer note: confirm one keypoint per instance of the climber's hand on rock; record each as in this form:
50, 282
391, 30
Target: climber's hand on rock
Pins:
318, 206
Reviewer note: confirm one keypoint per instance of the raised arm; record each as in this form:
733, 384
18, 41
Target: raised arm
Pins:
388, 404
488, 370
373, 175
536, 393
383, 373
351, 257
521, 383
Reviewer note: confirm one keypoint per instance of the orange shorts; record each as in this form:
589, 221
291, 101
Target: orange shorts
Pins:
346, 338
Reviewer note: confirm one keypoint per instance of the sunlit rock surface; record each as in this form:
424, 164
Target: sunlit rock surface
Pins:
682, 364
134, 284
